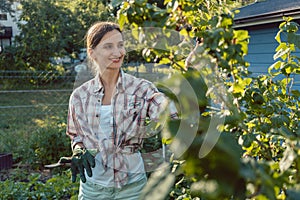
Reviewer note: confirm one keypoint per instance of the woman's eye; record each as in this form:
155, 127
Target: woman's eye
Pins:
108, 46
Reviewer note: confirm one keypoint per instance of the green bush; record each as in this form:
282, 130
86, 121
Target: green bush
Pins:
37, 144
49, 144
58, 187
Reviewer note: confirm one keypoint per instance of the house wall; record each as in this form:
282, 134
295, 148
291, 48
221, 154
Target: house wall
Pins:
261, 49
10, 22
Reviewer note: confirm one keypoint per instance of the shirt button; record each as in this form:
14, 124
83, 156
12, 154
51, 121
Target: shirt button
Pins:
97, 115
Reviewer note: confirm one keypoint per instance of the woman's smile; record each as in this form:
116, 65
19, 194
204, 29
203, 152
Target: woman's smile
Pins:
116, 60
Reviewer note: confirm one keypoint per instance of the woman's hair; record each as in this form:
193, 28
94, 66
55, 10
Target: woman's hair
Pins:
95, 34
97, 31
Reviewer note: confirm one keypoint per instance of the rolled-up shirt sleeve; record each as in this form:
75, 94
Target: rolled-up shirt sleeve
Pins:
78, 128
73, 127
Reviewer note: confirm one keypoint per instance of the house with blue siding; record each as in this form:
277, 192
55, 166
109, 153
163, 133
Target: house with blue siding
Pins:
262, 19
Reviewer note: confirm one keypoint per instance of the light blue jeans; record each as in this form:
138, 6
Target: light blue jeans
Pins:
92, 191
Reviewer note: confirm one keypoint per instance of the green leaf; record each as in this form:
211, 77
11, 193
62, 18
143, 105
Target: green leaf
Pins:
159, 184
239, 87
184, 32
226, 22
135, 34
292, 27
277, 37
166, 140
285, 81
247, 81
122, 20
296, 93
288, 70
164, 61
281, 53
294, 38
287, 19
247, 140
241, 35
276, 66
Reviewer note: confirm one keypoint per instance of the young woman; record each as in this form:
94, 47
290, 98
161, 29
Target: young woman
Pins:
107, 116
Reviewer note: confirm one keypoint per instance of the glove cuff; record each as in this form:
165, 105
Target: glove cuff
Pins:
78, 150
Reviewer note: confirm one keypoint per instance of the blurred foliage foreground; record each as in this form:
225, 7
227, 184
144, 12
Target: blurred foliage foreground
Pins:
238, 135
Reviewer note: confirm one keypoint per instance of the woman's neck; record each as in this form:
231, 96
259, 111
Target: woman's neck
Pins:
109, 78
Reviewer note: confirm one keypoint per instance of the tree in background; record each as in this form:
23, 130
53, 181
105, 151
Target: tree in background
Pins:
51, 28
5, 5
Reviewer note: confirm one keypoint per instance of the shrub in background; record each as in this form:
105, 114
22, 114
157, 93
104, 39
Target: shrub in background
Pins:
57, 187
39, 144
49, 143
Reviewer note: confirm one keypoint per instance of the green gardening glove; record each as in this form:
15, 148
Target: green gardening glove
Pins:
80, 160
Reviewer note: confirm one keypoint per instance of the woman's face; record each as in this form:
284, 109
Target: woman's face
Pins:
110, 52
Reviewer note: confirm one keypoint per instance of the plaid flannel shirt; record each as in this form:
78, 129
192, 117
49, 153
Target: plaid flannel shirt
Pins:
134, 101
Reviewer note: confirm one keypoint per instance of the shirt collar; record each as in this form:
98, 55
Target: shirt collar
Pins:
121, 81
98, 86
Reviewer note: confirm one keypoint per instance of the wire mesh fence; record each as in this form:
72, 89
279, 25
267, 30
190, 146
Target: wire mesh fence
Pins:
28, 95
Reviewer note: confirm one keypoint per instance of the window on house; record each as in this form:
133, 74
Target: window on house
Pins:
3, 16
